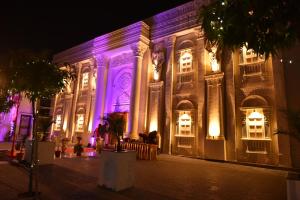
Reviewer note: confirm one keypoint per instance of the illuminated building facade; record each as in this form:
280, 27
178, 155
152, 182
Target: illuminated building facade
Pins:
159, 72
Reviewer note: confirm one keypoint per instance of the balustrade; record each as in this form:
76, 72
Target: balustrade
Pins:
143, 151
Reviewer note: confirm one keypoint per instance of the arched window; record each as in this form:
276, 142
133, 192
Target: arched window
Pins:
185, 115
80, 117
256, 118
184, 123
58, 122
255, 123
85, 80
186, 59
79, 122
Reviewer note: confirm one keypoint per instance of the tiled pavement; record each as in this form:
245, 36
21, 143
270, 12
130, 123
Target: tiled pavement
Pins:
170, 177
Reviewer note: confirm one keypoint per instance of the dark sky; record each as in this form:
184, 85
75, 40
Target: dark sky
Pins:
61, 25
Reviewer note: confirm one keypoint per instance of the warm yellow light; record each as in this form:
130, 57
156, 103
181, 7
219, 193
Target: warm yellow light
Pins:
215, 67
58, 122
214, 128
90, 126
153, 125
155, 75
80, 122
65, 125
255, 115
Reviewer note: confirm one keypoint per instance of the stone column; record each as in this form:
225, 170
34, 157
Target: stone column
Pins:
102, 69
138, 52
72, 123
167, 137
67, 114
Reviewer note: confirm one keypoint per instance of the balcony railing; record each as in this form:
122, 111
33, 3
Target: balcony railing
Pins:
185, 77
257, 69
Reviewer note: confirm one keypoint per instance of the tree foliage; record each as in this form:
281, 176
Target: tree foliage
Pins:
266, 26
32, 75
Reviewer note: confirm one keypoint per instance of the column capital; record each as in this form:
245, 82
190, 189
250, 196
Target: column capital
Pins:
170, 41
101, 60
139, 49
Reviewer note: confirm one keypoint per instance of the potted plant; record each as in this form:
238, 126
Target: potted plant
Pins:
119, 163
78, 148
116, 125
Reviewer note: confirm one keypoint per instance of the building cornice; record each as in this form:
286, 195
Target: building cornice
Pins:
175, 20
134, 33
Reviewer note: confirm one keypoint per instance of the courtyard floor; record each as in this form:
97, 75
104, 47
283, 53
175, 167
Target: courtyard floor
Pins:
170, 177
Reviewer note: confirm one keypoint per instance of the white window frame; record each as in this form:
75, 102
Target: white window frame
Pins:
185, 122
249, 56
80, 122
186, 61
85, 81
255, 124
58, 122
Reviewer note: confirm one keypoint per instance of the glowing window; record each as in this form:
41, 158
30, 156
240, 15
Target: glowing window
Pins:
248, 56
255, 124
58, 122
186, 61
85, 80
215, 67
80, 122
185, 124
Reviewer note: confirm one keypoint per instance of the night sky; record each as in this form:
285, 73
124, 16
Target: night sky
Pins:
59, 26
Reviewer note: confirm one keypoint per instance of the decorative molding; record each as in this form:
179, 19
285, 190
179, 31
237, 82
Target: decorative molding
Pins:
101, 60
214, 79
138, 49
175, 20
170, 41
125, 58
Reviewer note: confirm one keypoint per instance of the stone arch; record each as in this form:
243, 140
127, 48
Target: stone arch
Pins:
185, 44
185, 105
80, 110
254, 101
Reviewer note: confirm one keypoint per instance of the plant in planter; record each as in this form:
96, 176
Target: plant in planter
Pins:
116, 126
78, 148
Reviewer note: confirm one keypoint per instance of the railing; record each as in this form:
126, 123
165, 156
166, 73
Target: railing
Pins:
259, 146
143, 151
253, 69
185, 77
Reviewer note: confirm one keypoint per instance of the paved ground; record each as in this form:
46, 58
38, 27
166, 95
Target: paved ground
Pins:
168, 178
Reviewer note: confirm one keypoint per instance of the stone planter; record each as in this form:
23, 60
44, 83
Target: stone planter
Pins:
293, 186
117, 169
45, 152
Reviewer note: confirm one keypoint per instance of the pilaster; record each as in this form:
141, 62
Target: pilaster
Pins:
100, 93
167, 142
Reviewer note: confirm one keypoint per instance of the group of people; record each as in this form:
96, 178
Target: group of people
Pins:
102, 136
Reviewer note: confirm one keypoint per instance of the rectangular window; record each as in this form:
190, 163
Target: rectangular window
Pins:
185, 71
85, 80
80, 122
58, 122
